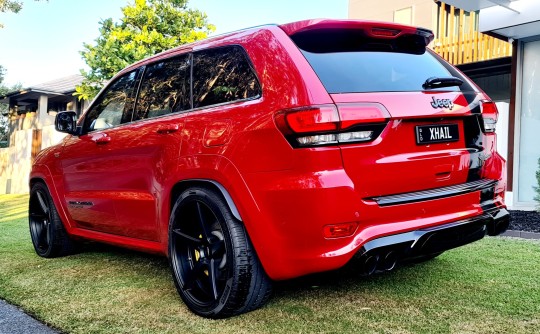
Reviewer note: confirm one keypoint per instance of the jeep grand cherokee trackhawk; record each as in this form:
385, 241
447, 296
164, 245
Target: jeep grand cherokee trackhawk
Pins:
275, 152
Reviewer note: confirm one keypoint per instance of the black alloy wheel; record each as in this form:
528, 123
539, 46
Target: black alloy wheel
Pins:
40, 221
46, 229
200, 254
215, 268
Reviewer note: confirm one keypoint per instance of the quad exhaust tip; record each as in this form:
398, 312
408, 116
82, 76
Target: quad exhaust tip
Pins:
389, 261
370, 264
379, 262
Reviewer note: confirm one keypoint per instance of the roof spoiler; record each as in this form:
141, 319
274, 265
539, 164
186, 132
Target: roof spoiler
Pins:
372, 29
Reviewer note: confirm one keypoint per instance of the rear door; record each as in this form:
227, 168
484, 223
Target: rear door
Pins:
430, 135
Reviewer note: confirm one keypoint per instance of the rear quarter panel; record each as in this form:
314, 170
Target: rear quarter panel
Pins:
252, 145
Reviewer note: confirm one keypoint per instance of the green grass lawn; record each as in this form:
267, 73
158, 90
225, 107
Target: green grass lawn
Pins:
491, 286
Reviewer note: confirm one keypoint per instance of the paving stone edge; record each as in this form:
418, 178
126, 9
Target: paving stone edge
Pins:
521, 234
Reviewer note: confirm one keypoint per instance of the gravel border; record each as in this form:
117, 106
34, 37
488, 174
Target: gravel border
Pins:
525, 221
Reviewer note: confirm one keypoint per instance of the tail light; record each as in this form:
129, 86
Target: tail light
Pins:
313, 119
332, 124
490, 115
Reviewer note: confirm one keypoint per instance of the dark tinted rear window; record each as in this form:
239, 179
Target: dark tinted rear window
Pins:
165, 88
375, 71
223, 75
347, 61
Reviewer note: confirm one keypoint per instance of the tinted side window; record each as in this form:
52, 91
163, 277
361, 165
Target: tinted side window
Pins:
164, 89
223, 75
113, 106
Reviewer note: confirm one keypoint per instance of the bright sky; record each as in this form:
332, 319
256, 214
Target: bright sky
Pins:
42, 42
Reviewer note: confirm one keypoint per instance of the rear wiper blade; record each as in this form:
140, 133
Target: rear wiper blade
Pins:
435, 82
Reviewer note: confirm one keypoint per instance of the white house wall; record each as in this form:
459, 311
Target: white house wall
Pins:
50, 137
16, 163
521, 23
502, 129
528, 119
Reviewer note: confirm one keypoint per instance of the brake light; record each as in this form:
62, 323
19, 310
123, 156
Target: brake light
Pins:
490, 114
331, 124
384, 32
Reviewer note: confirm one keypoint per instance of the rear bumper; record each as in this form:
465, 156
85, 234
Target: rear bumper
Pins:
383, 253
293, 208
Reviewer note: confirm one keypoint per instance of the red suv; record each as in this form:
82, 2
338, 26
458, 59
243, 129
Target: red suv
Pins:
275, 152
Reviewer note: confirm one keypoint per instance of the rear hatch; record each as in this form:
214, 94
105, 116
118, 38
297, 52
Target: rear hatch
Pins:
406, 120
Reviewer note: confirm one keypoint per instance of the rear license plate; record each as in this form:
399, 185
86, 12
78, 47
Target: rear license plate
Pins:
439, 133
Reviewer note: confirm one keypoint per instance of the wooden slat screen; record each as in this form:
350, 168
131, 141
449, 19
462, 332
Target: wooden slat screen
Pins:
36, 143
461, 43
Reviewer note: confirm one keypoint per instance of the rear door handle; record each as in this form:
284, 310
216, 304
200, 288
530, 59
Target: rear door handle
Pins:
169, 128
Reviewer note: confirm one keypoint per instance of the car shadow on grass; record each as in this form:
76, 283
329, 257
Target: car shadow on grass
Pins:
342, 280
89, 248
351, 277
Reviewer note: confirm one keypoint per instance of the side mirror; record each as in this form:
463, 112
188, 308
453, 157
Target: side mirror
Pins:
66, 121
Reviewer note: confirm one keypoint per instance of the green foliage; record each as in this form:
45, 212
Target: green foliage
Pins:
10, 6
3, 110
13, 6
2, 74
4, 121
148, 27
4, 130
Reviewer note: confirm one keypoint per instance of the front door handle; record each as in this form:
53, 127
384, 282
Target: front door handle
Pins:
169, 128
103, 140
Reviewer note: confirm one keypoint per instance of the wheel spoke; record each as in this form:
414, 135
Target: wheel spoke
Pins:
48, 235
193, 275
42, 234
202, 222
42, 203
212, 276
187, 238
36, 229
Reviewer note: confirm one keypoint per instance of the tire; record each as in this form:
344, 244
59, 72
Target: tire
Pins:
49, 237
214, 266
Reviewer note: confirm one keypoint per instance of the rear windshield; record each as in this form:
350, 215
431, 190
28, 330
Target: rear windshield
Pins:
370, 65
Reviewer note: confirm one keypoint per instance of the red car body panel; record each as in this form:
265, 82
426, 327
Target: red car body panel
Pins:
285, 196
